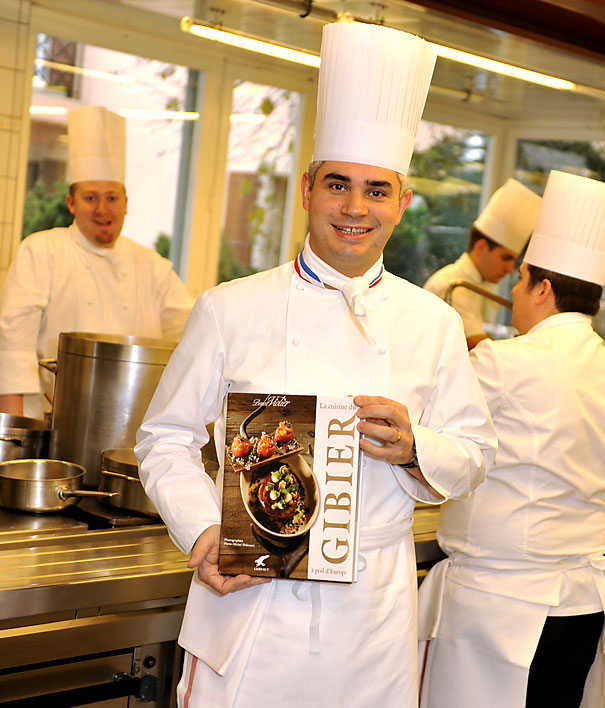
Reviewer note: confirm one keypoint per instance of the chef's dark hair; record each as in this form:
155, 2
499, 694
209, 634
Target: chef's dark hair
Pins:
571, 294
475, 235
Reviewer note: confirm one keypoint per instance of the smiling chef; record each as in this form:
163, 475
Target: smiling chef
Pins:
85, 277
331, 322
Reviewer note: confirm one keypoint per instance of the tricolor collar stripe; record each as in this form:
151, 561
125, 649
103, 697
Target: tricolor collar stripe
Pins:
307, 270
377, 279
307, 274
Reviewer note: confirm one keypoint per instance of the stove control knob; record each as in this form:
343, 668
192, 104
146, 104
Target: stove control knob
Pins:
149, 662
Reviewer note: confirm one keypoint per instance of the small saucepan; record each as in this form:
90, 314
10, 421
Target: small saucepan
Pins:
42, 485
120, 474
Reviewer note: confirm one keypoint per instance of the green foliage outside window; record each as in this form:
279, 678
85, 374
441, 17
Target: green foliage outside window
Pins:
45, 211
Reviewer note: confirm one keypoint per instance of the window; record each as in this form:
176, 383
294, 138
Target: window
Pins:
446, 176
261, 162
158, 101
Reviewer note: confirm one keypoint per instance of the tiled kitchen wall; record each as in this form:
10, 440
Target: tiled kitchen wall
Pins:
14, 31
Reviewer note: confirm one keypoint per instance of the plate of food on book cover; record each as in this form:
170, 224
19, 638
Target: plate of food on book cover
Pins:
249, 451
282, 500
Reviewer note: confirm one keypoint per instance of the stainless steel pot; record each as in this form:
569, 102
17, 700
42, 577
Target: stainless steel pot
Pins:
102, 389
120, 474
22, 438
42, 485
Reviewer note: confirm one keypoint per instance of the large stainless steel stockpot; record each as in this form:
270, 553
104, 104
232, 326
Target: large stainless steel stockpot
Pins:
41, 485
120, 474
102, 389
22, 438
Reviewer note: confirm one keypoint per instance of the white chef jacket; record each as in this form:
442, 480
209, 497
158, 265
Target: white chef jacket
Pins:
274, 332
530, 541
472, 307
61, 282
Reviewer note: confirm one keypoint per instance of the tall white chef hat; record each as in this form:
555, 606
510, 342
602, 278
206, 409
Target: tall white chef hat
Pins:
569, 237
97, 145
510, 215
373, 83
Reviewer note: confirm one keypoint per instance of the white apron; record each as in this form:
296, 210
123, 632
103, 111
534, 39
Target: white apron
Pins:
529, 542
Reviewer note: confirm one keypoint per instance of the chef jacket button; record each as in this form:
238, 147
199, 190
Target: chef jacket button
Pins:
300, 286
295, 341
382, 350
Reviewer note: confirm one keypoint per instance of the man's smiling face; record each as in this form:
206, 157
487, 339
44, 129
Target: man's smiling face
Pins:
353, 210
99, 208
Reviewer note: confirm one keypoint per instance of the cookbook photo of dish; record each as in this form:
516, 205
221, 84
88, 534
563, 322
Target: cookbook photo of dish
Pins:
271, 492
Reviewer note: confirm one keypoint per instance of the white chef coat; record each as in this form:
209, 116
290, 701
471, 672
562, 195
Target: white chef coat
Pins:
472, 307
61, 282
530, 541
274, 332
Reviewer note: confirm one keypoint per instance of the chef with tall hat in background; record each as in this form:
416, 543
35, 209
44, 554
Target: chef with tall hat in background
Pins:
86, 277
496, 239
516, 611
331, 322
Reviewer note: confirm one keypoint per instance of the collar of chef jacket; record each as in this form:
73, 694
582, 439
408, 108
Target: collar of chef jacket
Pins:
115, 256
562, 319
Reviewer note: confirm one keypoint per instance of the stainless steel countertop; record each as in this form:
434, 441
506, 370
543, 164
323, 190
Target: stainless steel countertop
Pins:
51, 564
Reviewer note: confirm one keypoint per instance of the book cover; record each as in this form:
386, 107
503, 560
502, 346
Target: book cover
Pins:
290, 487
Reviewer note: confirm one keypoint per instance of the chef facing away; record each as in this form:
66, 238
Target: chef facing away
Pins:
515, 613
86, 277
496, 239
331, 322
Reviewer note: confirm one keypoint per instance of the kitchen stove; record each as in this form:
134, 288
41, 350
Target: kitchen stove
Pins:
100, 516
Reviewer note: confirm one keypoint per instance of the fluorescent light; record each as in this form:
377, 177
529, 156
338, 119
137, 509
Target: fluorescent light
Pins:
234, 39
125, 112
251, 118
93, 73
243, 42
500, 67
48, 110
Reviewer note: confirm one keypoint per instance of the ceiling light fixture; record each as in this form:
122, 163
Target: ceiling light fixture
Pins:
499, 67
234, 39
38, 110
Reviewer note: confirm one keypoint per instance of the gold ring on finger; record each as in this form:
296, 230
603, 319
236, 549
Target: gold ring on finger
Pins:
398, 438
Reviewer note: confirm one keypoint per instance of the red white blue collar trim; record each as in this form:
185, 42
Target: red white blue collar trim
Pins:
304, 271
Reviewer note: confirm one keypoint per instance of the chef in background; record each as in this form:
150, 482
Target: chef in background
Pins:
516, 610
86, 277
495, 241
331, 322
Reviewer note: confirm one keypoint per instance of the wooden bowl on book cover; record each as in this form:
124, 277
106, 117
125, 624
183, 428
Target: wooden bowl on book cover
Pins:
304, 473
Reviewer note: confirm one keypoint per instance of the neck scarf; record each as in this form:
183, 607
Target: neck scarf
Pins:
317, 272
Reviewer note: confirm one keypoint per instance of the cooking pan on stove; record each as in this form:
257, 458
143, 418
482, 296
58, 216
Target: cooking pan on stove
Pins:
42, 485
120, 474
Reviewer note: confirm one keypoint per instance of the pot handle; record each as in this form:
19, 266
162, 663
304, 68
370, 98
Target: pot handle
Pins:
16, 441
49, 365
110, 473
64, 493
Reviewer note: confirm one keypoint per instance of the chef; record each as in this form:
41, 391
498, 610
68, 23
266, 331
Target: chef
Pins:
86, 277
331, 322
517, 610
496, 239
